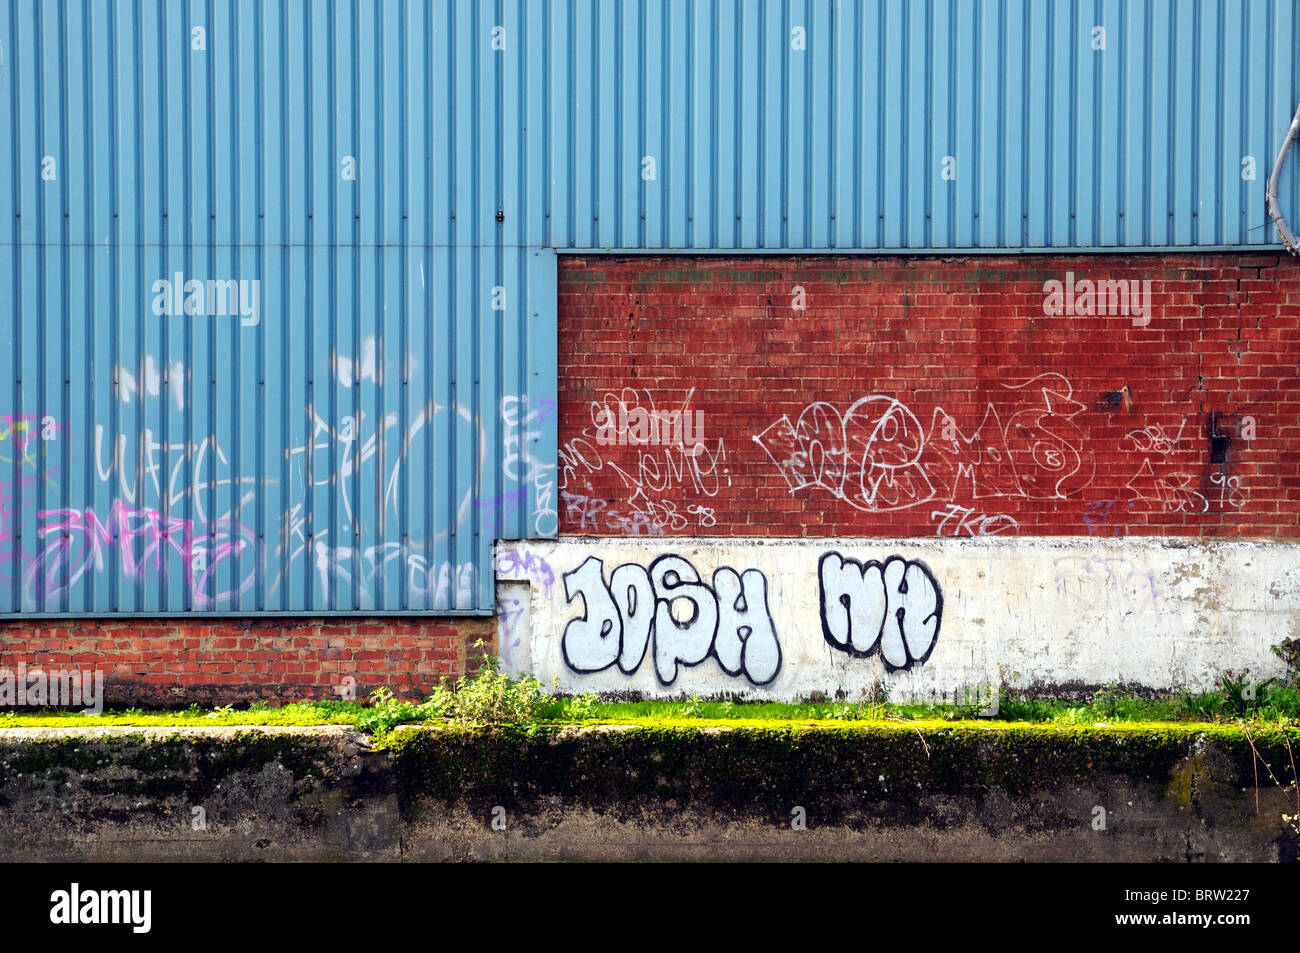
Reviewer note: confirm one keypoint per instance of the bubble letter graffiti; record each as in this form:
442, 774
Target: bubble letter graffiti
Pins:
893, 607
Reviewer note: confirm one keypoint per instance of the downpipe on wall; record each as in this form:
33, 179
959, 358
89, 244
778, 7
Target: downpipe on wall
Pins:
1283, 230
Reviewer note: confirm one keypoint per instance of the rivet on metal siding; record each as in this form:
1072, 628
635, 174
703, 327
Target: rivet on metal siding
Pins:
501, 216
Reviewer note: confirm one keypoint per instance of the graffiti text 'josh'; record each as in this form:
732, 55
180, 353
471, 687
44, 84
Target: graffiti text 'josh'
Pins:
670, 608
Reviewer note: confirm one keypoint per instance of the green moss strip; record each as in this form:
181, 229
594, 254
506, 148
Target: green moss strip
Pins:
893, 767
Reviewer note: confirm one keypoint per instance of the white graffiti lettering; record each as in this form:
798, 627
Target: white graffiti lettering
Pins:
668, 607
893, 607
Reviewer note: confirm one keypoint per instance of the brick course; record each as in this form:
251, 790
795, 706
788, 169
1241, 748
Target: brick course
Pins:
1091, 424
161, 662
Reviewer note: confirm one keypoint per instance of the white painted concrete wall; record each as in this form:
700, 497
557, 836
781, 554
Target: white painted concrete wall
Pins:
1024, 613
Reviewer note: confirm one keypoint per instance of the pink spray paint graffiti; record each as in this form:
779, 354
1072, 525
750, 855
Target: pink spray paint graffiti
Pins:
218, 564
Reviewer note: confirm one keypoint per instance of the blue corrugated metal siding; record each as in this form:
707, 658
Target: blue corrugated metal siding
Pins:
842, 144
358, 449
390, 411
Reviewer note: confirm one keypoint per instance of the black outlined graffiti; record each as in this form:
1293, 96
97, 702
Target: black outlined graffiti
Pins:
670, 611
746, 641
893, 607
680, 641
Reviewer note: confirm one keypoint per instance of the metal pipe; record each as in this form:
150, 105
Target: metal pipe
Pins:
1270, 195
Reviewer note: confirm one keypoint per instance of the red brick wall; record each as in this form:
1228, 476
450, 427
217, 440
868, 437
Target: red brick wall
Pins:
160, 663
988, 416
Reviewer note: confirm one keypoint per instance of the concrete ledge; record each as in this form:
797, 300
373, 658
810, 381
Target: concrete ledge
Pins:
960, 792
937, 791
148, 794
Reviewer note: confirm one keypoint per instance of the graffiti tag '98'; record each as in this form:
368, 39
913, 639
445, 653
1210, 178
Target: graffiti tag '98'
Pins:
668, 612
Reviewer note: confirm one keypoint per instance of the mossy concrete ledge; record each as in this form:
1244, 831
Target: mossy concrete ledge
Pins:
934, 791
195, 793
895, 791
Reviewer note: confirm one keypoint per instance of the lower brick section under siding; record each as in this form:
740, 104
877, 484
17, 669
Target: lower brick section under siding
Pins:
160, 663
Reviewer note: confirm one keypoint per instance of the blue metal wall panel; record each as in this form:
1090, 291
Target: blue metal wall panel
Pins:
1070, 124
756, 144
359, 449
392, 410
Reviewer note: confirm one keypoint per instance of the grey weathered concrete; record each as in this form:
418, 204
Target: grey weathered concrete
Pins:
111, 794
893, 792
1043, 614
